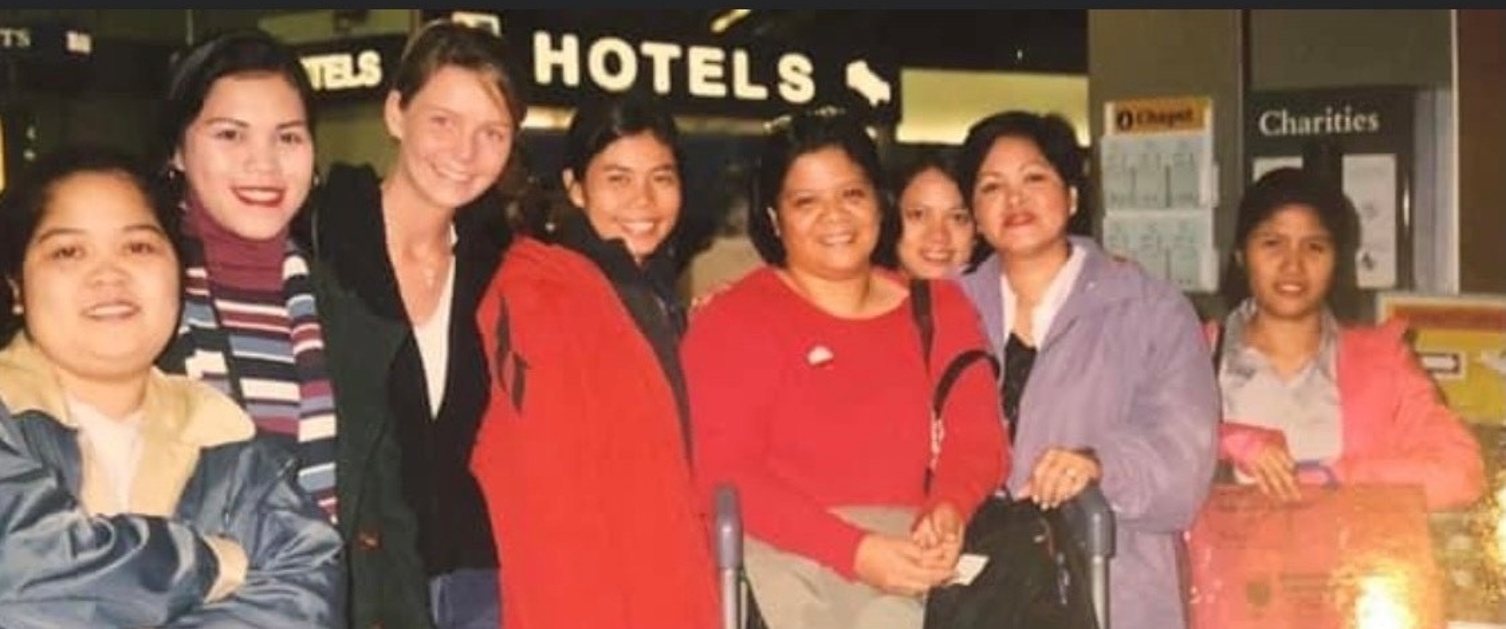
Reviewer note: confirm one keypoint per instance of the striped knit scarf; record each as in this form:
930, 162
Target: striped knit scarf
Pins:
269, 357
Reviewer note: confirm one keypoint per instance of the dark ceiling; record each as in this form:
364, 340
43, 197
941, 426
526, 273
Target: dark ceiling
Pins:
1008, 40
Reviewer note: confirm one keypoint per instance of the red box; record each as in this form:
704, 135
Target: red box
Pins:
1353, 557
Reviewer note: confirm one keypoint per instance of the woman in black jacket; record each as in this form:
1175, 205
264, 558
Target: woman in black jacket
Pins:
417, 247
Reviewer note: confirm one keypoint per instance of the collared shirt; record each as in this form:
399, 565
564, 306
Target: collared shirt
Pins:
1304, 406
1051, 300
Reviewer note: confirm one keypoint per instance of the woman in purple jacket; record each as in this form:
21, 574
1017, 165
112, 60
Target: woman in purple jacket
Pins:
1106, 375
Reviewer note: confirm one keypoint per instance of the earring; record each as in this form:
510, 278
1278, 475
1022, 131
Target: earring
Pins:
17, 309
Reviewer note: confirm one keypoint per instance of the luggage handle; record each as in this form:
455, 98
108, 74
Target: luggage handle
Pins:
1092, 522
728, 541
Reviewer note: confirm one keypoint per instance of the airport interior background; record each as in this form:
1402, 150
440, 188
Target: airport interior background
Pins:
1177, 109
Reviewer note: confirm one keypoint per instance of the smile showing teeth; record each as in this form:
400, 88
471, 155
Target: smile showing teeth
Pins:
453, 176
638, 229
260, 196
112, 310
936, 256
837, 240
1290, 288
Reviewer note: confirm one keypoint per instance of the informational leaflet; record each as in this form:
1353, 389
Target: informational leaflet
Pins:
1175, 244
1160, 185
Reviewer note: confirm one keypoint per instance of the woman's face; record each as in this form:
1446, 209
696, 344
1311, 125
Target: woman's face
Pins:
631, 191
827, 214
1290, 259
99, 281
249, 157
455, 136
1020, 202
938, 230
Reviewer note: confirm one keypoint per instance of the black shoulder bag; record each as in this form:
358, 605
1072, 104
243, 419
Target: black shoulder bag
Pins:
1037, 575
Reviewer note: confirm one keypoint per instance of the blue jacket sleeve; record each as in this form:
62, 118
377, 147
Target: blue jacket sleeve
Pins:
60, 567
295, 578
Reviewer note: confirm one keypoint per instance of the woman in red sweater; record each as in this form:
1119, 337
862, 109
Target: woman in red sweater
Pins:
810, 393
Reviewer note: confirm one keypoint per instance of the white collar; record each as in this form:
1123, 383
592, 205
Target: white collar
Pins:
1051, 300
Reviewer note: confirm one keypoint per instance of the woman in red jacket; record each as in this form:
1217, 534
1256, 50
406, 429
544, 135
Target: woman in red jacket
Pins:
582, 455
1306, 398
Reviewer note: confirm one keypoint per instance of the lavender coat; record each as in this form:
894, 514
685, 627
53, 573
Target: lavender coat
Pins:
1123, 370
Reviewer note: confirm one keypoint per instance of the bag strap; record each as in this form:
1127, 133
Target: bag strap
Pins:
921, 311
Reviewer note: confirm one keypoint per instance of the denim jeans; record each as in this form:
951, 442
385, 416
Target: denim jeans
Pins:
466, 599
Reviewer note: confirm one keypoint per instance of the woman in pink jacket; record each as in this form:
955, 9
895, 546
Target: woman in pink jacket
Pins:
1307, 399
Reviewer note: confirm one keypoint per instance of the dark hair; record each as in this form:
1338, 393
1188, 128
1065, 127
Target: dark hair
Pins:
1055, 138
195, 71
600, 122
1293, 186
807, 131
443, 43
931, 159
24, 205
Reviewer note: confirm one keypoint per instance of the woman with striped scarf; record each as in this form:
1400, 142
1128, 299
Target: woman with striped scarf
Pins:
256, 320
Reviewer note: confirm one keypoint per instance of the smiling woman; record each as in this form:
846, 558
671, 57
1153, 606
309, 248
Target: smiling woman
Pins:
237, 159
168, 512
1308, 397
811, 395
414, 248
583, 453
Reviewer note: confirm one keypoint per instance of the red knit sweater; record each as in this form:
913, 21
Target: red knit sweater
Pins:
805, 411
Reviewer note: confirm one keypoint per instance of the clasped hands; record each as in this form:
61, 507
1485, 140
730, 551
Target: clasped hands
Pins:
911, 566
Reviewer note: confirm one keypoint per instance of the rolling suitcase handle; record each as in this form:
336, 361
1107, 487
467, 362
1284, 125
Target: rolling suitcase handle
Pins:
728, 540
1092, 522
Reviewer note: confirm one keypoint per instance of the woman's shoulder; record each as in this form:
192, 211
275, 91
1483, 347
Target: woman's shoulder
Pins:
757, 288
1376, 340
549, 285
196, 413
754, 297
532, 261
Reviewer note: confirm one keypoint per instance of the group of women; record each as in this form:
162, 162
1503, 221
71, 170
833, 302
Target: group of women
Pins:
377, 406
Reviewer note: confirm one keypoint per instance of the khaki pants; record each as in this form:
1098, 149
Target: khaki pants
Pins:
794, 592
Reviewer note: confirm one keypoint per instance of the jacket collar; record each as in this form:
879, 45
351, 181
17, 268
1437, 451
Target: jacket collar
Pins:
657, 273
1104, 281
176, 407
180, 417
344, 228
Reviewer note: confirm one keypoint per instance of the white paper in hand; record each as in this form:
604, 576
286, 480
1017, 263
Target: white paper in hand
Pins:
968, 568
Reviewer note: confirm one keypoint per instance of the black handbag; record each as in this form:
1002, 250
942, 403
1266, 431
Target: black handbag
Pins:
1037, 575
